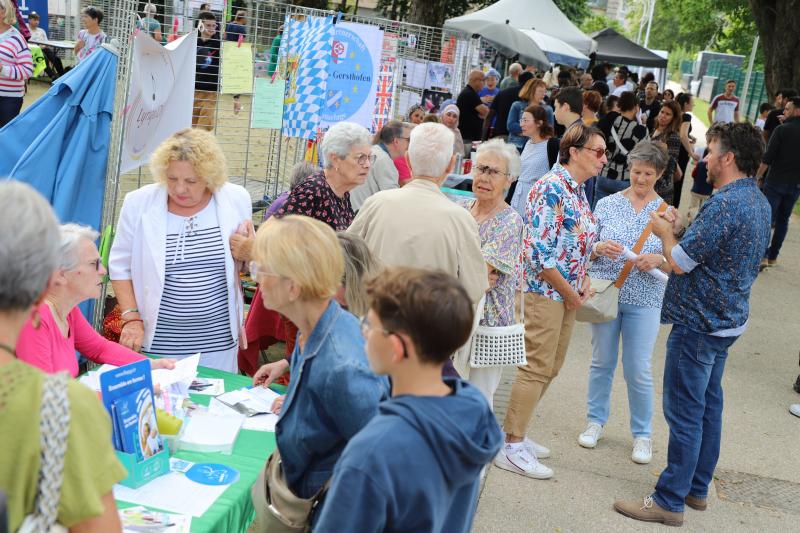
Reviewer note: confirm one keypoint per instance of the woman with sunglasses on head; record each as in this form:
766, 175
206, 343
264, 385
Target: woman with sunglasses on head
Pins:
57, 328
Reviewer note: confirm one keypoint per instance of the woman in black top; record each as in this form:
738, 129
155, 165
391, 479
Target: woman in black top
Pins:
687, 141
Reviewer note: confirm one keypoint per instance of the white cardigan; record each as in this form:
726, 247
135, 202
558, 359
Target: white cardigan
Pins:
139, 250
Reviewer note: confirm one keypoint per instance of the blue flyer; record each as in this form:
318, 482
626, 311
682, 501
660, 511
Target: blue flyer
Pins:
212, 474
120, 383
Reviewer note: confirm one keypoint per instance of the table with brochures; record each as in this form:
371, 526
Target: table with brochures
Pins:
233, 511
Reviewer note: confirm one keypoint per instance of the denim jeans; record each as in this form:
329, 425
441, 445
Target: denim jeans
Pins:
606, 187
639, 328
781, 197
693, 409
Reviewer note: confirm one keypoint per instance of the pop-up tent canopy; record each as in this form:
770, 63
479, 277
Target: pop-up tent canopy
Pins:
539, 15
614, 48
556, 50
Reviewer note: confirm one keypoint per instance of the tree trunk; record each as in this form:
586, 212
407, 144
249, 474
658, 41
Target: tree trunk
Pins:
778, 22
317, 4
428, 12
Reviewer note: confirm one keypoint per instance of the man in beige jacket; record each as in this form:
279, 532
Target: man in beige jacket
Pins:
419, 226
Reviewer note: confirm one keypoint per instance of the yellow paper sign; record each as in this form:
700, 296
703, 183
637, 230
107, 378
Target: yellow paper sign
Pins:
237, 68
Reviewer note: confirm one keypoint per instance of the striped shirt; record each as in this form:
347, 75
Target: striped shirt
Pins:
16, 63
193, 315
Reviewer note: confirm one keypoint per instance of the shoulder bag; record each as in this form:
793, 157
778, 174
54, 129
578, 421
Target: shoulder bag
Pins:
498, 345
53, 431
604, 304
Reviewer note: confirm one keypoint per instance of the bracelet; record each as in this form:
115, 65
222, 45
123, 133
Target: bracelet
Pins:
125, 312
126, 322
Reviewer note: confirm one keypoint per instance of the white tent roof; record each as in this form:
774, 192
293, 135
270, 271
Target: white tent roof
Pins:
539, 15
557, 50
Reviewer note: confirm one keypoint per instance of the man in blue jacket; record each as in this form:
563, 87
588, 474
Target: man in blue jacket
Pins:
416, 465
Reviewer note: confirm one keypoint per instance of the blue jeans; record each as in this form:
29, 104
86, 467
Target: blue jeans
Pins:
606, 187
639, 328
693, 409
781, 197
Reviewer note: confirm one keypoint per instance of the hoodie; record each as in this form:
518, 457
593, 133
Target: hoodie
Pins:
415, 466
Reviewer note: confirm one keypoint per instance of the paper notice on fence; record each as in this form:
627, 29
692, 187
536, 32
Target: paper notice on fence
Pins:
237, 68
268, 104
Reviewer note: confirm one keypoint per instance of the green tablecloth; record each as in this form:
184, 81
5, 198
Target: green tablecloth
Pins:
233, 511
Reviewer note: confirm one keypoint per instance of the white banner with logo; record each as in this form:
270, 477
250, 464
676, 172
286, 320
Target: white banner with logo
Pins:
160, 97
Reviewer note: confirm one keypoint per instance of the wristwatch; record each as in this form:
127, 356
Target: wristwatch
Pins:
663, 261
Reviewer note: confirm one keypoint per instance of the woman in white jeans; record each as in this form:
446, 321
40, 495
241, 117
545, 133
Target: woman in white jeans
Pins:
622, 217
497, 165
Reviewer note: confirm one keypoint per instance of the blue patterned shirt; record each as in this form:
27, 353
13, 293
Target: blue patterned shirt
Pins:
721, 252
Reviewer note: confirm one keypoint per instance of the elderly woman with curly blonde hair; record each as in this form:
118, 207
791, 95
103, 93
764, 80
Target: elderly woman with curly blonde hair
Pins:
173, 273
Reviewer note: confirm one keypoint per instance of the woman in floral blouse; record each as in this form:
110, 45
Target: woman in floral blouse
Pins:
622, 217
497, 165
561, 231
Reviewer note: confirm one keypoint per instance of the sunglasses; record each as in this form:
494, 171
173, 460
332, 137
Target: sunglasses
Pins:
598, 152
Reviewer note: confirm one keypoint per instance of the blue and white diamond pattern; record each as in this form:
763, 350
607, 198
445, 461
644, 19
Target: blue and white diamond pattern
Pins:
312, 40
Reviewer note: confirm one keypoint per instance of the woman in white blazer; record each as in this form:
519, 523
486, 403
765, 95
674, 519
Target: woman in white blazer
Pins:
171, 266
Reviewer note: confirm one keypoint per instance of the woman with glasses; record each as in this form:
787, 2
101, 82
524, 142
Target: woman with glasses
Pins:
560, 233
497, 164
538, 156
333, 393
58, 328
621, 218
171, 265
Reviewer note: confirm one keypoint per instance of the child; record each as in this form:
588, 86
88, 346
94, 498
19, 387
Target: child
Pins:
416, 465
54, 66
90, 38
763, 111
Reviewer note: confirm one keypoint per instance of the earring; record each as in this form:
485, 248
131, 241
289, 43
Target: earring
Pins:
36, 319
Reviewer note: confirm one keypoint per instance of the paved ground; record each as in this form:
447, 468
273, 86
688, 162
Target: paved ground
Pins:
758, 485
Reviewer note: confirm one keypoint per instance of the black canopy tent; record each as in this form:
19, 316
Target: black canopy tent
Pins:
614, 48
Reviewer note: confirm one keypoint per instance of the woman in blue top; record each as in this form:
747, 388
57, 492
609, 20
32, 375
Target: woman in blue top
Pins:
149, 24
532, 93
332, 393
622, 217
538, 156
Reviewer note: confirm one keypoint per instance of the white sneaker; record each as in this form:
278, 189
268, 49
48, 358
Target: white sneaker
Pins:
519, 460
590, 435
642, 450
541, 452
795, 409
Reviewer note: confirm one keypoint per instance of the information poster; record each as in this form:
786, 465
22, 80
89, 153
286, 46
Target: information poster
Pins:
268, 104
390, 48
352, 74
237, 68
440, 77
414, 73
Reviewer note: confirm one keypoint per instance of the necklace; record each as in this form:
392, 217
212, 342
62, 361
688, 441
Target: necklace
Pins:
8, 349
62, 321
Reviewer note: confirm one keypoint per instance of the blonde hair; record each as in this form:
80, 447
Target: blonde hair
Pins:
194, 146
529, 89
359, 265
303, 250
10, 14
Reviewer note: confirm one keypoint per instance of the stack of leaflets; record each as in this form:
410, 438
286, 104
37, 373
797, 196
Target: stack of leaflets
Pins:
128, 397
140, 519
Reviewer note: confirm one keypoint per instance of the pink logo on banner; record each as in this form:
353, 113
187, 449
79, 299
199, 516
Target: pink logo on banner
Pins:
339, 52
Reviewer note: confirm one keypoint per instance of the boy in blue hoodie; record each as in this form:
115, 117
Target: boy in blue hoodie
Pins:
416, 465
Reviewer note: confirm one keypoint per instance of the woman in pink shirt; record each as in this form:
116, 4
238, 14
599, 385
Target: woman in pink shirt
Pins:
49, 339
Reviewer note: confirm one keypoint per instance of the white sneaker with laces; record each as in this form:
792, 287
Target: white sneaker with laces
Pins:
795, 409
590, 435
541, 452
520, 460
642, 450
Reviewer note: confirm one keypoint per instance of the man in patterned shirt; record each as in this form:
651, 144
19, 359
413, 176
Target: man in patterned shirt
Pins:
707, 303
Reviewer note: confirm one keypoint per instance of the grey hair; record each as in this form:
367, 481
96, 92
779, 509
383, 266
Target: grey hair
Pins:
300, 172
341, 138
651, 152
70, 249
29, 251
150, 9
507, 151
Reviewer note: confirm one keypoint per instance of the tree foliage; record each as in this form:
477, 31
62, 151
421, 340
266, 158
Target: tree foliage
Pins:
435, 12
575, 10
600, 22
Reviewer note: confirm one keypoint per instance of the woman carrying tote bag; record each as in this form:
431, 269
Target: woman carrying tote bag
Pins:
624, 221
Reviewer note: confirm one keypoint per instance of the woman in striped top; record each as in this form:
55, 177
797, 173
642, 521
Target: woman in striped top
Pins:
16, 64
171, 266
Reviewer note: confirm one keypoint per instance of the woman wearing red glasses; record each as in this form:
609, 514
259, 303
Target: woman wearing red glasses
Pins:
57, 328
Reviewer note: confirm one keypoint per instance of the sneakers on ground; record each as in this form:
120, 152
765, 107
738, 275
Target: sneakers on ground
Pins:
795, 409
518, 458
642, 450
541, 452
590, 436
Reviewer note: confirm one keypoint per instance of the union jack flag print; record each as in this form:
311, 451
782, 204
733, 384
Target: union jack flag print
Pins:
383, 97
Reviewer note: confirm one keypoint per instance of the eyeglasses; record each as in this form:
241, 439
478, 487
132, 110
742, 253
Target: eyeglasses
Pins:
256, 271
363, 158
598, 152
525, 120
366, 326
489, 171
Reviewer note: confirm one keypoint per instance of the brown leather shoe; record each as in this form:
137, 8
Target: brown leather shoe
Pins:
647, 510
698, 504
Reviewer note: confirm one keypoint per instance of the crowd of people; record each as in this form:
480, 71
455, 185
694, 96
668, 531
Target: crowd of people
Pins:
377, 280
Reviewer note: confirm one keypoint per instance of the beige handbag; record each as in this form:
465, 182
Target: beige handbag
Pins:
604, 304
278, 510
